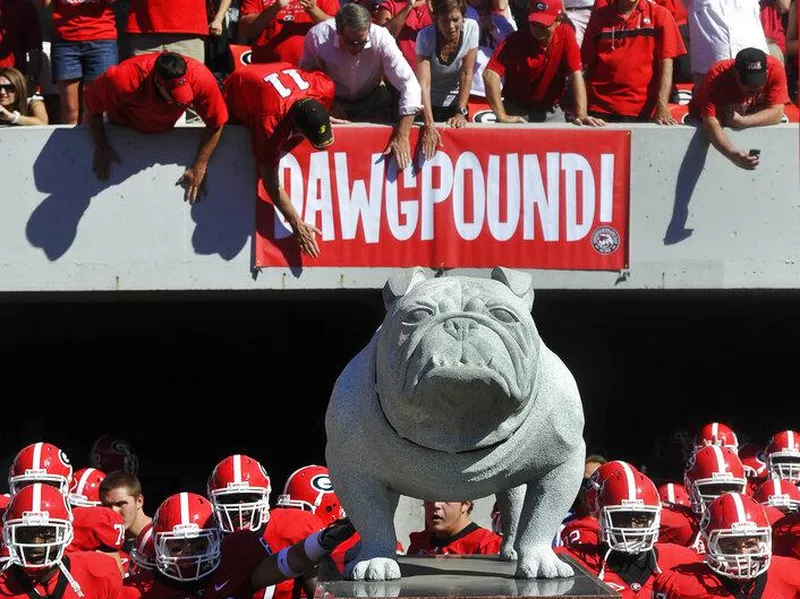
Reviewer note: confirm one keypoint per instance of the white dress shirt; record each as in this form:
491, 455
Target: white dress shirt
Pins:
357, 75
718, 29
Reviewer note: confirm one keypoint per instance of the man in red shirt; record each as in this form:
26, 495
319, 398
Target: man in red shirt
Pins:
628, 51
20, 34
403, 19
179, 26
277, 28
533, 64
281, 105
748, 91
450, 530
150, 93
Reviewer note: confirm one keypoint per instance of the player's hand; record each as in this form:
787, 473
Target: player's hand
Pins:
400, 148
510, 118
306, 238
5, 115
663, 116
101, 164
336, 533
742, 159
193, 179
457, 121
215, 28
431, 141
589, 121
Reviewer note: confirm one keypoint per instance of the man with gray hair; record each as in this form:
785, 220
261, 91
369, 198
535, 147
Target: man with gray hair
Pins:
363, 60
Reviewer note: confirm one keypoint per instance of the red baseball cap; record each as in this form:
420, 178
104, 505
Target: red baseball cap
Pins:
543, 12
179, 90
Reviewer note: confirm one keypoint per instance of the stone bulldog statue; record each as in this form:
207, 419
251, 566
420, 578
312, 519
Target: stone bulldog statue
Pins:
456, 397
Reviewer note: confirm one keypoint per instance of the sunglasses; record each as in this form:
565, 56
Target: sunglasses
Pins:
354, 43
8, 87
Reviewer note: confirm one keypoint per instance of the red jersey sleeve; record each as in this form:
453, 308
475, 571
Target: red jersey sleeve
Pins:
242, 551
777, 87
208, 100
670, 42
250, 7
572, 52
98, 575
97, 528
499, 57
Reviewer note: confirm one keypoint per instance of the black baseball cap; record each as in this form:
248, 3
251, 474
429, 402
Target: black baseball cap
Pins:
312, 120
751, 64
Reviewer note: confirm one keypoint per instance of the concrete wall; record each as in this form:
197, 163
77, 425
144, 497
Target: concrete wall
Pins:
696, 220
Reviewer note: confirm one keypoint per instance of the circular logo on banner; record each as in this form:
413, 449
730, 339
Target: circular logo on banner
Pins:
605, 240
484, 116
246, 58
322, 482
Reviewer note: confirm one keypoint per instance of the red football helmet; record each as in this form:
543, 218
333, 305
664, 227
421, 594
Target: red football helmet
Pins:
716, 433
37, 527
186, 537
778, 493
85, 489
110, 453
630, 511
143, 554
783, 456
674, 494
239, 490
737, 536
598, 477
40, 463
310, 489
710, 472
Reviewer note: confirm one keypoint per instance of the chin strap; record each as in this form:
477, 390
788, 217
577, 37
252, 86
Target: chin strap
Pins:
72, 582
605, 559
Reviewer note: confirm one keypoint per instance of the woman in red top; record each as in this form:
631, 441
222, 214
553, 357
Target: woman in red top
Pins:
84, 45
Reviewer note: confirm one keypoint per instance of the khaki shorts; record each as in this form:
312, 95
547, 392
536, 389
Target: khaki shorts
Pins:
186, 44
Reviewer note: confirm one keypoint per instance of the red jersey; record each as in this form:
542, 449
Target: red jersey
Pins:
786, 536
679, 525
286, 526
97, 575
773, 514
418, 18
534, 76
581, 531
623, 58
631, 576
241, 553
698, 581
472, 540
282, 40
129, 96
96, 528
720, 91
260, 96
84, 20
19, 32
168, 16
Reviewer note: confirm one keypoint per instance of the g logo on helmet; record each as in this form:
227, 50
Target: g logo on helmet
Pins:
63, 457
540, 6
322, 482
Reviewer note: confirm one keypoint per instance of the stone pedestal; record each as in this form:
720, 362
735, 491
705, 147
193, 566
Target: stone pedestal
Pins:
463, 577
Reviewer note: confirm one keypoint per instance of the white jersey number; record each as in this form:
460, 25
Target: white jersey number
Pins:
283, 91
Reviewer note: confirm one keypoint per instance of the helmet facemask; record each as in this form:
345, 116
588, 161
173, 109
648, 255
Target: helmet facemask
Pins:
238, 509
188, 552
705, 490
742, 564
15, 483
630, 528
37, 542
785, 465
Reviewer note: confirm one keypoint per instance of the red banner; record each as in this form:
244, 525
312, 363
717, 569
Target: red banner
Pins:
519, 197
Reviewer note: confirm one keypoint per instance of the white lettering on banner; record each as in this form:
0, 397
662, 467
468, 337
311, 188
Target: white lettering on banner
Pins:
468, 161
354, 206
410, 198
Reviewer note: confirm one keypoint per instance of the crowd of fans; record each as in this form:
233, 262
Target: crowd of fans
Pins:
730, 529
396, 62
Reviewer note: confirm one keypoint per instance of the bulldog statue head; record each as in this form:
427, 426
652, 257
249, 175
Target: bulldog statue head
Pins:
459, 358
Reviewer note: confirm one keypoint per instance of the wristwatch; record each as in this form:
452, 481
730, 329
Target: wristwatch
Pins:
464, 111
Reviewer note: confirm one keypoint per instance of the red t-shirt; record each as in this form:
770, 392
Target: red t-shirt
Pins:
282, 40
19, 32
472, 540
772, 22
698, 581
260, 96
129, 96
168, 16
786, 536
581, 531
96, 528
97, 575
623, 58
631, 584
418, 18
676, 9
535, 76
84, 20
720, 90
678, 525
286, 527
